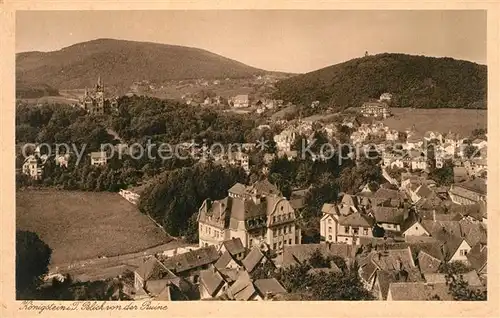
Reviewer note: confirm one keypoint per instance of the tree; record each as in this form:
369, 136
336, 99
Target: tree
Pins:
263, 271
460, 289
317, 260
378, 231
339, 286
32, 260
455, 267
471, 151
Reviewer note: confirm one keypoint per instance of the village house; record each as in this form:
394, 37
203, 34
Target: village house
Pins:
433, 135
389, 218
478, 257
240, 101
479, 143
33, 167
412, 226
130, 196
385, 97
301, 253
62, 160
375, 109
392, 135
152, 280
189, 264
380, 267
98, 158
268, 288
256, 214
211, 284
418, 291
412, 142
284, 140
344, 224
468, 192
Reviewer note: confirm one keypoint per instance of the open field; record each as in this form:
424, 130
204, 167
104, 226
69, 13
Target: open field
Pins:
86, 225
50, 100
462, 121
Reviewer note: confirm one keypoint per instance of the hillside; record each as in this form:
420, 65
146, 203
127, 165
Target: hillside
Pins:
414, 81
34, 90
120, 63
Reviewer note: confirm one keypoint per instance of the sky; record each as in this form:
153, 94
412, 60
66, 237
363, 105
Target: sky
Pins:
295, 41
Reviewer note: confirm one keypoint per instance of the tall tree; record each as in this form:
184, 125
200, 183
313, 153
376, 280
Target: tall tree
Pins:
32, 260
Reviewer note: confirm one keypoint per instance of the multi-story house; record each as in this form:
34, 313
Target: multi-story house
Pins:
344, 223
258, 215
431, 135
375, 109
98, 158
33, 167
284, 140
240, 101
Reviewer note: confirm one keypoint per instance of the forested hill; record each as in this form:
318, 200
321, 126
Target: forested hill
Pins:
414, 81
121, 62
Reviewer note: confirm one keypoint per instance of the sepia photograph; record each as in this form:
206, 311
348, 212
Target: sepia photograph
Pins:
251, 155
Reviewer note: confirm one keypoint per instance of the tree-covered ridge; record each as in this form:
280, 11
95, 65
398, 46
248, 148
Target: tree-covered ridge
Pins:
124, 62
414, 81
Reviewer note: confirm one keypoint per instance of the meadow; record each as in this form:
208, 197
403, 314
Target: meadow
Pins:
462, 121
85, 225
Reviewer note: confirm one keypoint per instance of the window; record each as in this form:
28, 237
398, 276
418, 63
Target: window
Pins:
329, 229
275, 232
274, 219
416, 228
284, 229
329, 237
355, 230
463, 252
209, 231
365, 231
290, 242
251, 241
347, 229
274, 246
329, 220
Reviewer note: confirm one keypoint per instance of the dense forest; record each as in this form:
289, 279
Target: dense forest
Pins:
34, 90
414, 81
140, 120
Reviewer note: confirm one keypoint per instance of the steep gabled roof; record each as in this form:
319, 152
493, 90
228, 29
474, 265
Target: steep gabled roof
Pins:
478, 256
270, 285
388, 215
153, 269
252, 259
355, 219
193, 259
234, 246
212, 280
223, 260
